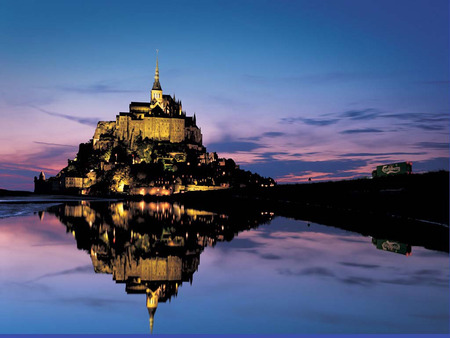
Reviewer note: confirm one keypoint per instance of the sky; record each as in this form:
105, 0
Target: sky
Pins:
324, 89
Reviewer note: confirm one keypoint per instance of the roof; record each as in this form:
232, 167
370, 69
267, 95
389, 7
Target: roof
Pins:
190, 121
156, 85
146, 104
157, 111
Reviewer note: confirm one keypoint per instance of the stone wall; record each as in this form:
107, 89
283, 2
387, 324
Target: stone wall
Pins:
193, 134
153, 128
148, 269
128, 128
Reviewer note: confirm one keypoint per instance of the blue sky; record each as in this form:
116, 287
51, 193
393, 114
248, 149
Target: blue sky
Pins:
291, 89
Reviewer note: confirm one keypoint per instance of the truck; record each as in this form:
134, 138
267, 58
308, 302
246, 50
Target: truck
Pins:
392, 169
392, 246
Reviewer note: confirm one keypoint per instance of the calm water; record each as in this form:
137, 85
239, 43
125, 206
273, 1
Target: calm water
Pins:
102, 267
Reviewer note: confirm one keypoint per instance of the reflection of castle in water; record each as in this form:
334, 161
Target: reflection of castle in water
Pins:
151, 247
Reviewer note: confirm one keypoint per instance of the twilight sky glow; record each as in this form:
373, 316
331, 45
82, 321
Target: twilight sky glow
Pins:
290, 89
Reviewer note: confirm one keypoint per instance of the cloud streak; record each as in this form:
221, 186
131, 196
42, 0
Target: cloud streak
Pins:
424, 121
55, 144
365, 114
233, 146
381, 154
309, 121
78, 269
432, 145
89, 121
361, 131
96, 89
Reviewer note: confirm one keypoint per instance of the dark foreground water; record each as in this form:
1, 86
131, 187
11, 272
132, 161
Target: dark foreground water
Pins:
110, 267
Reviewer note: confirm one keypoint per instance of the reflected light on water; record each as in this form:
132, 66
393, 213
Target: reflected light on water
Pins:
314, 278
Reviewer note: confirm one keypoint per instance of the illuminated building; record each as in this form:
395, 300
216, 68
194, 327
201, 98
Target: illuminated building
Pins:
154, 149
161, 119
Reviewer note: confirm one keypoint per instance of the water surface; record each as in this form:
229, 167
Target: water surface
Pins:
93, 268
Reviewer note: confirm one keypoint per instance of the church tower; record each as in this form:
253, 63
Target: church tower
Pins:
156, 95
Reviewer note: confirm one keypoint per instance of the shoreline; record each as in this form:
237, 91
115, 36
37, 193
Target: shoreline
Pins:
408, 208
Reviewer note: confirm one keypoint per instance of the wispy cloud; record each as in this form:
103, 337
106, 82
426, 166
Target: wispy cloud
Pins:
309, 121
268, 134
90, 121
50, 159
361, 131
380, 154
233, 146
78, 269
358, 280
94, 301
424, 121
96, 89
273, 134
311, 271
421, 277
360, 265
435, 127
432, 145
24, 168
55, 144
364, 114
270, 256
49, 154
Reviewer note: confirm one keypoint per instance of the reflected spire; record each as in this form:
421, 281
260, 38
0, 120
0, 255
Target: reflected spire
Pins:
152, 304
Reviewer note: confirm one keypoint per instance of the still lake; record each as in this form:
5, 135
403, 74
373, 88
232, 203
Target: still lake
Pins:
108, 267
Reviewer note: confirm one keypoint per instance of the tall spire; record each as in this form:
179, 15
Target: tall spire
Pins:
157, 67
156, 84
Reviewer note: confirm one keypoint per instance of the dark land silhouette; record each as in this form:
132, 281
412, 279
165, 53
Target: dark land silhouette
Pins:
410, 208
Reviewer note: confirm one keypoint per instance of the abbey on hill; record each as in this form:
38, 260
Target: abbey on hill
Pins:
155, 149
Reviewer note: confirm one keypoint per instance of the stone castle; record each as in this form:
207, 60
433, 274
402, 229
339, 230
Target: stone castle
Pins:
161, 119
155, 149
